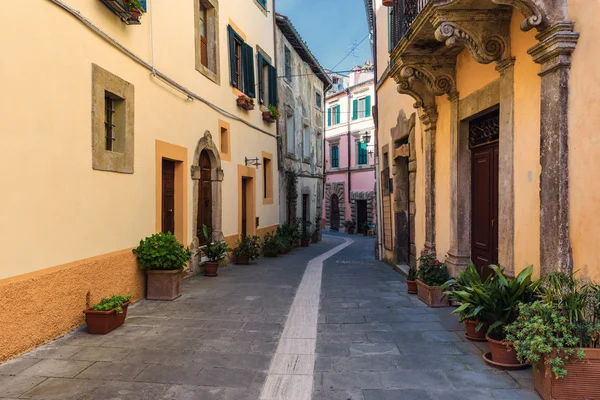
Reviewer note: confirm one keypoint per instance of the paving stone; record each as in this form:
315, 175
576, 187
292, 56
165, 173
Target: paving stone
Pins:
52, 351
411, 379
295, 364
397, 337
288, 387
348, 337
17, 365
112, 371
429, 362
115, 390
157, 356
225, 377
15, 386
490, 379
180, 374
80, 339
349, 380
262, 327
57, 368
348, 394
363, 364
345, 319
471, 394
374, 349
441, 336
258, 362
473, 362
332, 349
101, 354
62, 389
511, 394
418, 326
404, 394
188, 392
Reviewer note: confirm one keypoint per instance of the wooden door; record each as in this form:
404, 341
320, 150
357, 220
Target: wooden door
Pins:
168, 196
244, 206
361, 214
204, 196
484, 230
305, 205
335, 214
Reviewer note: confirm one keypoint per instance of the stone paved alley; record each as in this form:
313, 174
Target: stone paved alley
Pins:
225, 339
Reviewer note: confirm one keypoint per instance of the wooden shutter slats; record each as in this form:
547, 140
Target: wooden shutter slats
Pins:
232, 62
248, 68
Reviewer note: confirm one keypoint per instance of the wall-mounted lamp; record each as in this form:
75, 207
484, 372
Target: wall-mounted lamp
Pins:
367, 137
252, 161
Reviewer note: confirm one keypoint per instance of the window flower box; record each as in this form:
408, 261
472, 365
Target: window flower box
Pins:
130, 11
272, 114
245, 102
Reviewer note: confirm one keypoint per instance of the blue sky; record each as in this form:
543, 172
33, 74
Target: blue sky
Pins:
331, 28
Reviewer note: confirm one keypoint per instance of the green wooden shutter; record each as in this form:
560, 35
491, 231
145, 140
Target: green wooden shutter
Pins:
355, 109
329, 116
273, 88
263, 3
368, 106
260, 61
232, 63
337, 114
248, 68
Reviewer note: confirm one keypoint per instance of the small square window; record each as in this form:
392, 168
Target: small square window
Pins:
207, 38
288, 64
318, 100
114, 122
224, 142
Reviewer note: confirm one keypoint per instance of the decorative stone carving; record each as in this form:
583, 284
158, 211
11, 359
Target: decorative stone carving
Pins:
337, 188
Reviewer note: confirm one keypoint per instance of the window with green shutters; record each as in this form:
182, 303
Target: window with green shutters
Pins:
241, 64
267, 81
363, 157
361, 108
335, 157
333, 115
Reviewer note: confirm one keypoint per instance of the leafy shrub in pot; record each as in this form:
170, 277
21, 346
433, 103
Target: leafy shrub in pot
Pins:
163, 258
305, 232
411, 280
214, 251
107, 315
248, 249
559, 334
271, 245
431, 274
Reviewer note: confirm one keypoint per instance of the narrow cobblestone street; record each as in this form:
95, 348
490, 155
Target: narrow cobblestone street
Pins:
227, 337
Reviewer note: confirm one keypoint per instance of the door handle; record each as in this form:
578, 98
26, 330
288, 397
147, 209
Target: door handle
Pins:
171, 210
493, 221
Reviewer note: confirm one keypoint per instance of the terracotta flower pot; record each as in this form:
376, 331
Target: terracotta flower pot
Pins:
350, 231
242, 260
388, 3
412, 287
135, 13
503, 352
245, 104
267, 117
210, 268
472, 333
103, 322
163, 284
315, 237
431, 295
581, 381
305, 242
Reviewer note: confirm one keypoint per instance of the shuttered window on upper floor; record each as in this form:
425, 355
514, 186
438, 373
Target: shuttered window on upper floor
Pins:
241, 64
361, 108
267, 81
333, 115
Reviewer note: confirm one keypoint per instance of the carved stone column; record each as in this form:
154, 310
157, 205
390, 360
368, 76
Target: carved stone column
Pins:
429, 120
557, 43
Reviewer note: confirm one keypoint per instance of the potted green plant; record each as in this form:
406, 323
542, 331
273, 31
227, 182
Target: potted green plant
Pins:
214, 251
245, 102
559, 334
270, 245
272, 114
135, 8
499, 308
305, 232
248, 249
351, 225
290, 233
468, 290
411, 280
431, 275
163, 258
364, 227
107, 315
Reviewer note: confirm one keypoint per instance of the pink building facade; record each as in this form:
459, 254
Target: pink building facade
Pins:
349, 152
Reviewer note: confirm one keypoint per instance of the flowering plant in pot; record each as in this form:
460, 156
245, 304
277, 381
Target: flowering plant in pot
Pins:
365, 228
468, 290
431, 275
107, 315
272, 114
135, 8
305, 232
499, 308
351, 225
248, 249
270, 245
163, 258
411, 280
559, 334
214, 251
245, 102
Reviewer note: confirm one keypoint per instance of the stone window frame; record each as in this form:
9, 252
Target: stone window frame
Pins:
225, 130
289, 114
262, 8
286, 78
306, 157
104, 81
319, 147
213, 13
332, 144
268, 173
318, 93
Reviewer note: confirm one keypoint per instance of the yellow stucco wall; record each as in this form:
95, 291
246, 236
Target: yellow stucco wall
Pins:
442, 179
471, 75
584, 141
58, 210
527, 167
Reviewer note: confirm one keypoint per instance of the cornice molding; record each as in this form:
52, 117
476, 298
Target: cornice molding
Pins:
556, 44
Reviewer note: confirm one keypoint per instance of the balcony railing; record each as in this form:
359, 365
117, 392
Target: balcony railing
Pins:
403, 14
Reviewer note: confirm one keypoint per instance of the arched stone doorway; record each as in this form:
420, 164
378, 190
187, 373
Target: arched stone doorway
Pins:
335, 213
207, 176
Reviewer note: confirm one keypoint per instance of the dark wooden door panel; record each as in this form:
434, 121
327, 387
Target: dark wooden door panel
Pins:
168, 196
244, 208
204, 196
335, 213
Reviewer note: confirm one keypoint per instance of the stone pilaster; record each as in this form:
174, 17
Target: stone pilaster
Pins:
429, 120
553, 52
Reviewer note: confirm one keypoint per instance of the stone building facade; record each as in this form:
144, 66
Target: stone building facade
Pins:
302, 87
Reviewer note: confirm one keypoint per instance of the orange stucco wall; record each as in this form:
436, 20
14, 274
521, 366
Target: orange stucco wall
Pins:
43, 305
472, 76
527, 167
584, 140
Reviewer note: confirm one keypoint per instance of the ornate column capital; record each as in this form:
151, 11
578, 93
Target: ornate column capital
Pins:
556, 44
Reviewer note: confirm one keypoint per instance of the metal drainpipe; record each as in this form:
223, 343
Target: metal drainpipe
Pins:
349, 152
377, 166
